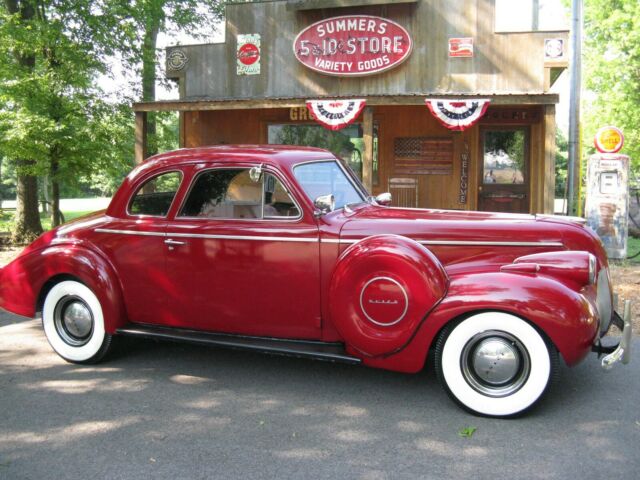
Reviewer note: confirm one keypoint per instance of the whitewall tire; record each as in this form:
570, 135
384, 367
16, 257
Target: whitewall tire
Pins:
495, 364
74, 323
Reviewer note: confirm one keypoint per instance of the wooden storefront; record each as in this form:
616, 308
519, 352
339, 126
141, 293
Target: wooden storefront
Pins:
396, 144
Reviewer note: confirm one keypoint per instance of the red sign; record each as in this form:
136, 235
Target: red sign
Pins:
248, 54
609, 140
353, 45
461, 47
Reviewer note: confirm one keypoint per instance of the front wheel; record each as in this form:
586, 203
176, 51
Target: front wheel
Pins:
495, 364
74, 323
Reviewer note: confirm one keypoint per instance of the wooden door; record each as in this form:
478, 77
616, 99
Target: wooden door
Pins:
504, 184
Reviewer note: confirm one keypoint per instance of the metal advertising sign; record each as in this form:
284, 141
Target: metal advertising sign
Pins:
461, 47
248, 54
353, 45
609, 140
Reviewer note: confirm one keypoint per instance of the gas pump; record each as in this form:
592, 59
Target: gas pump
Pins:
607, 199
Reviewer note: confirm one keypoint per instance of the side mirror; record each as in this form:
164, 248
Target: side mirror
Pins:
325, 204
255, 174
384, 199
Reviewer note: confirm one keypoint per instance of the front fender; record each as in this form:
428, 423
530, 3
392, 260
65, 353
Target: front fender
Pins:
568, 317
23, 280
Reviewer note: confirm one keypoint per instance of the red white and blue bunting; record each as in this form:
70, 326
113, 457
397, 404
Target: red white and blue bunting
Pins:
458, 114
335, 114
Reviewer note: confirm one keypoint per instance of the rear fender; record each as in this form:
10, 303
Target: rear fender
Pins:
26, 280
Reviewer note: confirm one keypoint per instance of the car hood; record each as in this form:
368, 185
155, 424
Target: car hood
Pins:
454, 225
477, 237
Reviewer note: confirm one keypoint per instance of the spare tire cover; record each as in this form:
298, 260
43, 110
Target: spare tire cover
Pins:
382, 288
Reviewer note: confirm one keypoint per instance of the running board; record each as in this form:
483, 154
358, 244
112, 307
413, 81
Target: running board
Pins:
330, 352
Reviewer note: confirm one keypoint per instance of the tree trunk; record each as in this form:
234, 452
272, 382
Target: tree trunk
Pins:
56, 218
27, 222
149, 81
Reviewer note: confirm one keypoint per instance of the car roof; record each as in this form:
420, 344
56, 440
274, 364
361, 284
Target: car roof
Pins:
283, 155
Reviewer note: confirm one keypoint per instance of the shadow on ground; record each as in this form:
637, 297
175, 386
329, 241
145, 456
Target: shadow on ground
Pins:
173, 411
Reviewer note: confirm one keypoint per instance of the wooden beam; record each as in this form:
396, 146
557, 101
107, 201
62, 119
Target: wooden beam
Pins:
250, 104
367, 157
549, 178
316, 4
141, 137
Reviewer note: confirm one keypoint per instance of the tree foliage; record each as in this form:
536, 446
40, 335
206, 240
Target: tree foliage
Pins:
612, 71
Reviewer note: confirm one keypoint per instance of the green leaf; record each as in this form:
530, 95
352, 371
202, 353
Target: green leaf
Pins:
467, 432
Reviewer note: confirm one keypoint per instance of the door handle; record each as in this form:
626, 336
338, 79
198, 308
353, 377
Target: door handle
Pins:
174, 243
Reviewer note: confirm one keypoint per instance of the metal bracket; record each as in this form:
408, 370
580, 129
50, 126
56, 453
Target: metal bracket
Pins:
623, 352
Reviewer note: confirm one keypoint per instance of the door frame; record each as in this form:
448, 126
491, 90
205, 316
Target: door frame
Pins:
527, 159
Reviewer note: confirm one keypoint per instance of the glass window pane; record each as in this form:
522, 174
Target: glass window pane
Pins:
346, 144
327, 178
277, 201
155, 196
504, 157
224, 194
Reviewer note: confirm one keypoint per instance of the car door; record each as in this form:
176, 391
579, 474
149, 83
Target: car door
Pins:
134, 243
243, 257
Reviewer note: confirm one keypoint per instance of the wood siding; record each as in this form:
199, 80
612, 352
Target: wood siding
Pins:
503, 63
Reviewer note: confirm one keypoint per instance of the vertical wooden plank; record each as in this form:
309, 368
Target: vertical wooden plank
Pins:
367, 158
550, 158
140, 153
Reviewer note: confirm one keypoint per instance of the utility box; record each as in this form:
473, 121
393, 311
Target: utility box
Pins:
607, 201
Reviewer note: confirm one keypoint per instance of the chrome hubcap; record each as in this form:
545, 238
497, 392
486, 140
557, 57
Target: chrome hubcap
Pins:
495, 363
73, 320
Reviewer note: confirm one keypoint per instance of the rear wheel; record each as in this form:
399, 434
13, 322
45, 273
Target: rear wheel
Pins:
74, 324
495, 364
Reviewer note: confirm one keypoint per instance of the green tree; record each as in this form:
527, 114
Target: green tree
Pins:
612, 71
146, 20
49, 109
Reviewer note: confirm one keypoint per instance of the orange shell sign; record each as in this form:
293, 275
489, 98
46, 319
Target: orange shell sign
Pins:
353, 45
609, 140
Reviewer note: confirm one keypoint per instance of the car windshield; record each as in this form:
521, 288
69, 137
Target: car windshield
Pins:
327, 178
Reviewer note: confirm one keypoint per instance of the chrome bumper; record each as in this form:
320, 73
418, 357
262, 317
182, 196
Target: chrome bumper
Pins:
622, 351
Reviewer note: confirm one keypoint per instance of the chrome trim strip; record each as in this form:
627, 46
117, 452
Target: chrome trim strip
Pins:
131, 232
256, 238
244, 237
489, 244
467, 243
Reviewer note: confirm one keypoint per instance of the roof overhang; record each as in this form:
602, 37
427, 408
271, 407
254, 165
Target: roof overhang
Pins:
253, 103
317, 4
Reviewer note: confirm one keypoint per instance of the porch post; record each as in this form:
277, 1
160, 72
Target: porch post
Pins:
367, 157
141, 137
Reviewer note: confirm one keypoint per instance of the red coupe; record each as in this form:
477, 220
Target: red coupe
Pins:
282, 250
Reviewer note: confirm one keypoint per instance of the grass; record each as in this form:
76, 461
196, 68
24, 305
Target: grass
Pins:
6, 219
633, 247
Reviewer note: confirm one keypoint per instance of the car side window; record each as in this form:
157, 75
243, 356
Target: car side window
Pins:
277, 201
155, 196
231, 193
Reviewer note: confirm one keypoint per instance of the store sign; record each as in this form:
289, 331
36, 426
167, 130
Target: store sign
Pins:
461, 47
353, 45
609, 140
248, 54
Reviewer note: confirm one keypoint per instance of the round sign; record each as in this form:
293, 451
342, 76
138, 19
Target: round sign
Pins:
609, 140
352, 45
384, 301
248, 54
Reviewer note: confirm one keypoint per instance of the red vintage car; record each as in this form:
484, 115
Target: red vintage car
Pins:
282, 250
